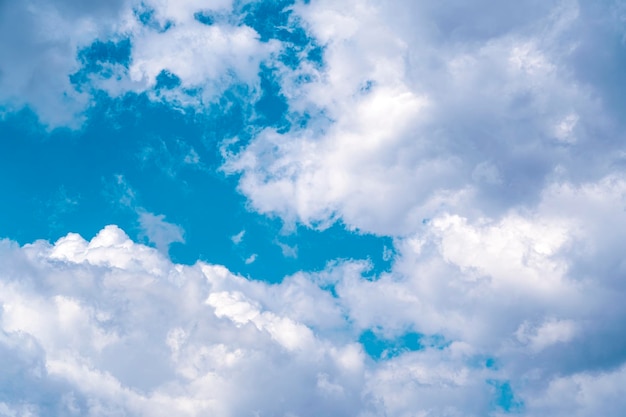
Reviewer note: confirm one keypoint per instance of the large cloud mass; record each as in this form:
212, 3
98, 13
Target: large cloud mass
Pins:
485, 139
435, 107
517, 314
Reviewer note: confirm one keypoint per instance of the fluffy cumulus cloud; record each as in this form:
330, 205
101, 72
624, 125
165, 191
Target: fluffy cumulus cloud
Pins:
514, 315
110, 327
63, 52
485, 139
422, 108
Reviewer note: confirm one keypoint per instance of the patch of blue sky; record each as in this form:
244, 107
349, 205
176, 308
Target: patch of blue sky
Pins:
134, 154
115, 52
379, 347
205, 17
98, 58
491, 363
504, 397
167, 80
271, 19
272, 107
146, 16
213, 17
485, 362
275, 20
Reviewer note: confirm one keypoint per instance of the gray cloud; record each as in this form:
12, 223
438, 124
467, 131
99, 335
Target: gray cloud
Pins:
37, 61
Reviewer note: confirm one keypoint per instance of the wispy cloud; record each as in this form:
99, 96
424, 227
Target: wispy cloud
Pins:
160, 232
238, 238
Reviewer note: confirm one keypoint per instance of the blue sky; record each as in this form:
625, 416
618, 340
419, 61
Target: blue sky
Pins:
133, 156
351, 208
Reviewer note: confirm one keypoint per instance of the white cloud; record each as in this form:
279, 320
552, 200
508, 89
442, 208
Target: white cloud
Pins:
118, 326
36, 66
533, 290
238, 238
207, 57
411, 121
468, 134
407, 385
548, 333
453, 275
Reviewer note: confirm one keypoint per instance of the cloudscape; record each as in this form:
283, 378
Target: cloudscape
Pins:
312, 208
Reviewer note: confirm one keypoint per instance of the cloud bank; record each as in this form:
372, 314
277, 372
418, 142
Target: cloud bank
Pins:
514, 315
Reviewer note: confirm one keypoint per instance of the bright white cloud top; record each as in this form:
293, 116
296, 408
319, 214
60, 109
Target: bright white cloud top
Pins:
486, 140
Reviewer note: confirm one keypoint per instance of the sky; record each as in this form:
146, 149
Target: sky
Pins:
312, 207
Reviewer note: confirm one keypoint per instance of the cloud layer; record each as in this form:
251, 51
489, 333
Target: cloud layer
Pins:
513, 315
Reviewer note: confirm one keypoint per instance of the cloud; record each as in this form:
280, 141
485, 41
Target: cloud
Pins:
35, 66
234, 49
238, 238
160, 232
171, 158
530, 291
417, 111
152, 227
516, 303
287, 251
250, 259
581, 394
548, 333
59, 57
119, 328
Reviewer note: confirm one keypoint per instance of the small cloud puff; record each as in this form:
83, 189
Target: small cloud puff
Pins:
250, 259
159, 232
238, 238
